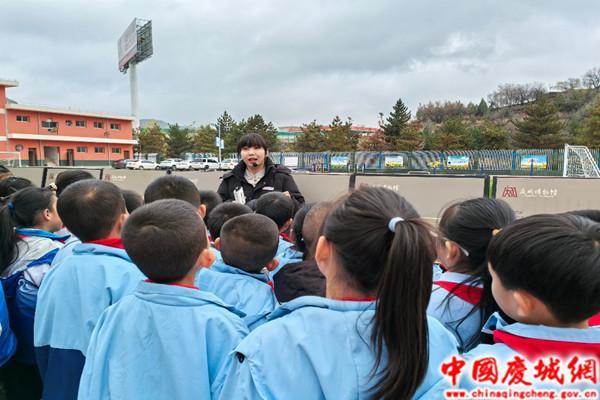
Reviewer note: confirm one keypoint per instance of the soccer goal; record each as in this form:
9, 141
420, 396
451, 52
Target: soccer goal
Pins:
578, 161
10, 158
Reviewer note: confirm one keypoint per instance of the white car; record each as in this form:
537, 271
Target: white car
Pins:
169, 163
205, 164
228, 164
183, 165
141, 164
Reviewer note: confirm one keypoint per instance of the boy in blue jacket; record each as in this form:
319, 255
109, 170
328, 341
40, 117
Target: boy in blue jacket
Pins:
77, 290
168, 340
248, 244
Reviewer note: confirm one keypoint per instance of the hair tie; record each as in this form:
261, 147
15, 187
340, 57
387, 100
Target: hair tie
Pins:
10, 205
393, 222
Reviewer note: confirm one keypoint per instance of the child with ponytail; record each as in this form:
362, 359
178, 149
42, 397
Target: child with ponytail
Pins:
462, 296
370, 337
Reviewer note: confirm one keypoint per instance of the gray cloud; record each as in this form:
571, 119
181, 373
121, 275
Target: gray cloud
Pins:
291, 61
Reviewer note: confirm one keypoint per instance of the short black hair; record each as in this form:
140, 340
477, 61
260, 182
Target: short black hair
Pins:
68, 177
133, 200
164, 239
223, 213
298, 224
172, 187
556, 258
313, 224
249, 242
276, 206
210, 199
252, 140
13, 184
90, 208
594, 215
4, 172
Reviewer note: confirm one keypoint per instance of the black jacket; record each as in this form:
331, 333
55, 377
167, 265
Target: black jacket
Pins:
277, 179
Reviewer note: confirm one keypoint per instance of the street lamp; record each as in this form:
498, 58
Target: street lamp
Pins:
218, 126
107, 135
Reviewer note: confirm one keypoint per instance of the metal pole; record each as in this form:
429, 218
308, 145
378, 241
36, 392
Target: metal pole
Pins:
219, 131
134, 94
565, 159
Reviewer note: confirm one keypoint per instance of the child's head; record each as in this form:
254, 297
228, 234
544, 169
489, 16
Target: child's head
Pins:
132, 200
210, 199
375, 244
546, 269
278, 207
30, 207
166, 239
92, 209
174, 187
594, 215
11, 185
68, 177
313, 225
296, 231
249, 242
4, 172
223, 213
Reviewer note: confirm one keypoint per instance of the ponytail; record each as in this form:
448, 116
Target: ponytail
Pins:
386, 249
8, 237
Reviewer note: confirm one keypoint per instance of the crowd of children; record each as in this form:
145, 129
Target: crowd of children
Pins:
178, 295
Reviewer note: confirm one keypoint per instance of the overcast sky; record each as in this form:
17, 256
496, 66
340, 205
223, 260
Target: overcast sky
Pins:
291, 61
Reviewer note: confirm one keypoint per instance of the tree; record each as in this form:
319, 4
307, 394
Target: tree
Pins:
152, 139
254, 124
489, 136
590, 132
340, 137
591, 79
482, 109
179, 141
411, 138
452, 135
225, 122
540, 128
311, 138
204, 140
395, 123
374, 142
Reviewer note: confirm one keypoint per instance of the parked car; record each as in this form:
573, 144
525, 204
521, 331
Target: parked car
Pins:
184, 165
205, 164
228, 164
141, 164
120, 164
169, 163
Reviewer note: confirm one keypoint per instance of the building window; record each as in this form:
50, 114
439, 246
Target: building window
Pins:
115, 126
68, 122
98, 125
49, 124
80, 124
22, 118
99, 149
116, 150
81, 149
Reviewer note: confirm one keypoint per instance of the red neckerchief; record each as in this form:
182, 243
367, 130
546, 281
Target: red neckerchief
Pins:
534, 349
367, 298
117, 243
468, 293
173, 284
595, 320
285, 237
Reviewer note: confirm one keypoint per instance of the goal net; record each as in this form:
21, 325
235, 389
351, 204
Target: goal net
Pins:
10, 158
579, 162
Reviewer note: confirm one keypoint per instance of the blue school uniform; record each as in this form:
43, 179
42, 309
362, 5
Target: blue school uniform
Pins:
532, 343
21, 281
72, 298
318, 348
8, 342
286, 254
250, 293
67, 248
450, 310
161, 342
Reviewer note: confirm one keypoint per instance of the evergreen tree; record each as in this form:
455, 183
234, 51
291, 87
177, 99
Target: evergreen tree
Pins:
311, 138
395, 123
225, 122
482, 109
179, 141
254, 124
151, 139
204, 140
541, 128
374, 142
340, 137
590, 133
489, 136
411, 138
452, 135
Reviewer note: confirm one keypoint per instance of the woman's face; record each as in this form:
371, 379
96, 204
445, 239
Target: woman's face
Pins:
254, 156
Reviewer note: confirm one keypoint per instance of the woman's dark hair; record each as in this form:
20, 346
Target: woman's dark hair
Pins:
396, 266
252, 140
471, 225
20, 211
594, 215
298, 225
556, 258
66, 178
11, 185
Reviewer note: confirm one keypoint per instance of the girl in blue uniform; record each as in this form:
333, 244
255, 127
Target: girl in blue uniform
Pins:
370, 337
462, 298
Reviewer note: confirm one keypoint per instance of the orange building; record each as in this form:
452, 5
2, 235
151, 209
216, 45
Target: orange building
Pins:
51, 136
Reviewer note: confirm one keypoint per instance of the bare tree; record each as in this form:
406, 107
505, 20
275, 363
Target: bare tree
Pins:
591, 79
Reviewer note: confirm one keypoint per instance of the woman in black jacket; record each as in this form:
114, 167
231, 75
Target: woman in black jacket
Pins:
256, 174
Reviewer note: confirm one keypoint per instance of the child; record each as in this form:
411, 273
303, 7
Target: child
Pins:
78, 289
280, 209
462, 298
10, 185
132, 199
174, 187
168, 340
546, 276
303, 278
247, 244
223, 213
371, 337
28, 245
210, 199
